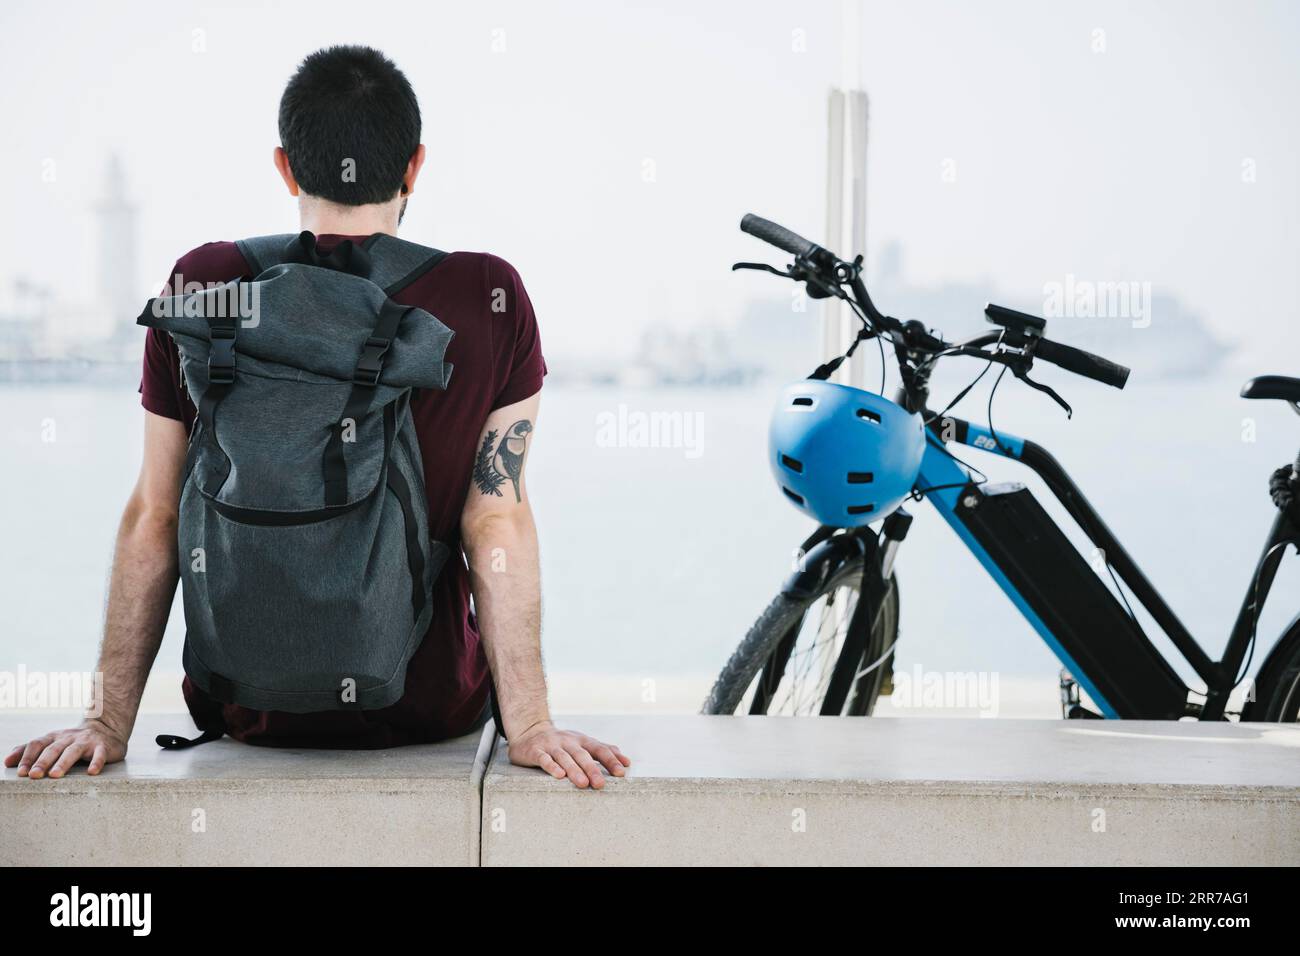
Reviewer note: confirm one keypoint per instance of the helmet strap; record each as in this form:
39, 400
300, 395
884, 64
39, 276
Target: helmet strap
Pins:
827, 369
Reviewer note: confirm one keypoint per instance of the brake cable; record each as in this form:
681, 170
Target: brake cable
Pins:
880, 344
965, 391
1255, 609
997, 442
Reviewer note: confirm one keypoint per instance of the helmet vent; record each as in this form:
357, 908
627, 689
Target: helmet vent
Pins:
867, 415
792, 496
793, 464
860, 509
803, 401
860, 478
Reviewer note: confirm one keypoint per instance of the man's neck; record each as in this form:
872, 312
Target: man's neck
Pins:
326, 218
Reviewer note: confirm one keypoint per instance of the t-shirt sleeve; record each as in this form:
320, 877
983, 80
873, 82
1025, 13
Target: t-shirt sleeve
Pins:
160, 376
158, 387
518, 341
162, 387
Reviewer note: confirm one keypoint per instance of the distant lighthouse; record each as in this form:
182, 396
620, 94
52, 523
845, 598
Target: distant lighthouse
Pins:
117, 292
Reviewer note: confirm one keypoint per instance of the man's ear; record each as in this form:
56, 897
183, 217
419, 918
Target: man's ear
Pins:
282, 166
412, 170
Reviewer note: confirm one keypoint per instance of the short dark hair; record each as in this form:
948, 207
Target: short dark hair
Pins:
349, 103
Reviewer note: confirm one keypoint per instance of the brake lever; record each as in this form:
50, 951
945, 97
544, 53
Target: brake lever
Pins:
762, 267
818, 288
1021, 371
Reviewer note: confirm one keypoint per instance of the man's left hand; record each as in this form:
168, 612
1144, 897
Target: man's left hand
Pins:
567, 753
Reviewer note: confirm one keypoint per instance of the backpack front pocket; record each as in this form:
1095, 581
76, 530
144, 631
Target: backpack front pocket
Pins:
307, 611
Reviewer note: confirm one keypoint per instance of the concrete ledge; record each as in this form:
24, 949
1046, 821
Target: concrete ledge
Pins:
746, 791
228, 804
703, 790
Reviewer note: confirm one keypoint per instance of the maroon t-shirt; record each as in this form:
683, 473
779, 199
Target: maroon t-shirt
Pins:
497, 359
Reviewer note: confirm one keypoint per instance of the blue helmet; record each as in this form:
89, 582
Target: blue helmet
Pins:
842, 455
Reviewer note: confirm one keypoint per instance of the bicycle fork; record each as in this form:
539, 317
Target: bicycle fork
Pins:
877, 567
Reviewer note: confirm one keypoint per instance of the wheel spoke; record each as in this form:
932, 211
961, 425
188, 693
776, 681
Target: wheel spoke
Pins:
811, 664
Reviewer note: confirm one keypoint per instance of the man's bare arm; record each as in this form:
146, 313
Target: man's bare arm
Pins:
500, 541
141, 587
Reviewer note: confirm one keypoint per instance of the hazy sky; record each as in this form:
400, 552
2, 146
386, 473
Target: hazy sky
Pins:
1117, 165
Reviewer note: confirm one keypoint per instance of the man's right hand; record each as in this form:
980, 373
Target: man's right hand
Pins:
57, 753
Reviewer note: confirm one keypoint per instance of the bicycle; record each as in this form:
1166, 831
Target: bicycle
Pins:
826, 642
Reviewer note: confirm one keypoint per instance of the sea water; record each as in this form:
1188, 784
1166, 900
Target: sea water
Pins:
657, 558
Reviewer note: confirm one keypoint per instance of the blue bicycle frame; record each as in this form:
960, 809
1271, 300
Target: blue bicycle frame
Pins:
947, 481
1063, 599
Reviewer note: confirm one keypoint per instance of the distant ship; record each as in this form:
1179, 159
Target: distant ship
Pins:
1162, 339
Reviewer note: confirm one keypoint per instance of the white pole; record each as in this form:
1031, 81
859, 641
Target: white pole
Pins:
832, 311
856, 242
846, 195
850, 45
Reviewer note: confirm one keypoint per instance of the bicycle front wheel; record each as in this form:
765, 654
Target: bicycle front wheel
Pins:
783, 667
1277, 686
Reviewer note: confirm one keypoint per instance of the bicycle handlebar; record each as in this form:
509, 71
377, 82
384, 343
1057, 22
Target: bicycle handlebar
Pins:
778, 236
1081, 363
826, 264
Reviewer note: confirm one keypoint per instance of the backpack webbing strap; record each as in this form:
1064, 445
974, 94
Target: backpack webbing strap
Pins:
209, 717
175, 742
414, 556
222, 332
334, 468
416, 273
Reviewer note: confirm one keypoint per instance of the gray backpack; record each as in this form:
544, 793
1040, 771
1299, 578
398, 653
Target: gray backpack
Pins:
305, 556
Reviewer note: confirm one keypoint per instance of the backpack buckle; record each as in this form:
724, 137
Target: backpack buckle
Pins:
371, 362
221, 357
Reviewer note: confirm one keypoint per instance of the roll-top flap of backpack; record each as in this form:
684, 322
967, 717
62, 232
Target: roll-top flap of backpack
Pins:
310, 318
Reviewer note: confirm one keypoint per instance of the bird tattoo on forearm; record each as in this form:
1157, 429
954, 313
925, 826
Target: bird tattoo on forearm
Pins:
499, 462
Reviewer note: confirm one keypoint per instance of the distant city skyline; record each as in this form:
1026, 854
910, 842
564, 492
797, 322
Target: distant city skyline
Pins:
775, 335
39, 323
119, 256
609, 152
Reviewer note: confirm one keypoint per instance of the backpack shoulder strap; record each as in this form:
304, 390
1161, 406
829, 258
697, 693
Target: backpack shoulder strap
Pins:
394, 263
262, 252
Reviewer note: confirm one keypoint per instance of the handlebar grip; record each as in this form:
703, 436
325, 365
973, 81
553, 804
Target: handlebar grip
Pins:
1081, 363
776, 235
